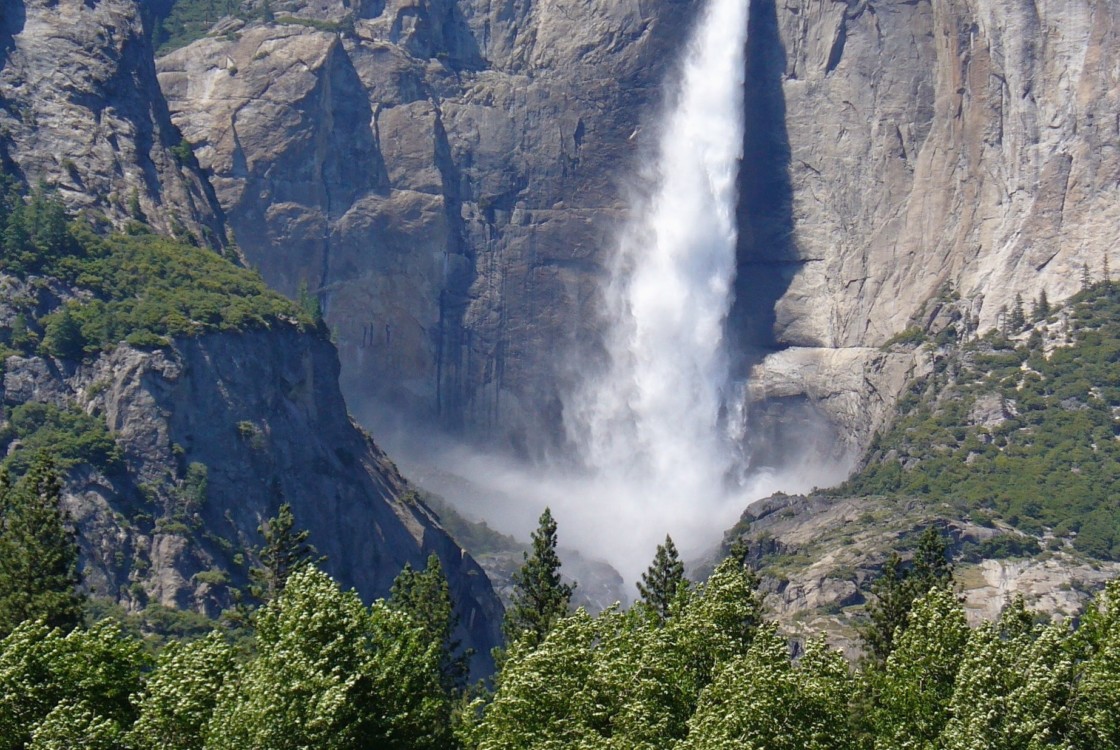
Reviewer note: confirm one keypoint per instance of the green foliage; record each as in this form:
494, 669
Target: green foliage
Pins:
180, 696
918, 681
139, 288
67, 689
1049, 457
761, 701
661, 583
328, 673
540, 597
38, 553
284, 552
70, 436
622, 680
426, 598
898, 587
189, 20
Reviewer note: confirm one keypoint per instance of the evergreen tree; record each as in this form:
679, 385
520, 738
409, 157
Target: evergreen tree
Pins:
662, 581
1086, 277
898, 587
1041, 307
932, 566
540, 597
888, 609
284, 552
38, 553
1018, 319
426, 598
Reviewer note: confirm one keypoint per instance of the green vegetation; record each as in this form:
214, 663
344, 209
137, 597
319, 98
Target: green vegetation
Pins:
70, 436
38, 553
141, 289
540, 597
1026, 432
325, 671
188, 20
661, 583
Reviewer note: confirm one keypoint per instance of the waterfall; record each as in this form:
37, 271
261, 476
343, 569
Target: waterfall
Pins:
654, 417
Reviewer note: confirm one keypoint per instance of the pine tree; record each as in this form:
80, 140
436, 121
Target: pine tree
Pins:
1041, 307
284, 552
662, 581
1018, 319
898, 587
38, 553
426, 598
932, 566
888, 609
1086, 277
540, 597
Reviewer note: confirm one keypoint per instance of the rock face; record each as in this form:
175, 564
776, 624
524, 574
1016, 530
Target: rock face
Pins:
818, 556
896, 147
80, 109
445, 175
262, 412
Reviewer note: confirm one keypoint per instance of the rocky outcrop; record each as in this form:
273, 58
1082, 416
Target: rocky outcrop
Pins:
80, 109
901, 146
218, 431
818, 556
444, 174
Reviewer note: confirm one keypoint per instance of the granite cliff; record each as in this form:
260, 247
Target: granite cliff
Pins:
447, 176
81, 110
442, 174
897, 148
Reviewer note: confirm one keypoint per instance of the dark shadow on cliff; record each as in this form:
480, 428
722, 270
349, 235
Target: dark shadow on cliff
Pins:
787, 431
12, 18
766, 253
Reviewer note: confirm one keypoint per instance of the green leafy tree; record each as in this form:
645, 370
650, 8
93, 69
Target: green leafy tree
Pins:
38, 554
180, 696
332, 675
540, 597
1013, 689
917, 683
67, 689
63, 337
1097, 646
662, 582
761, 701
285, 551
714, 624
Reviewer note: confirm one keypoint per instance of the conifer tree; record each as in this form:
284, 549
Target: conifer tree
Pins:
38, 553
898, 587
284, 552
1018, 319
426, 598
540, 597
661, 582
1041, 307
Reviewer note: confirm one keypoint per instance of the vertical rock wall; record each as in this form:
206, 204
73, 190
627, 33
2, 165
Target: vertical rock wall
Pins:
80, 109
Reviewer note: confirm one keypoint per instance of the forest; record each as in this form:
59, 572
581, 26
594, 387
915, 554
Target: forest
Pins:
303, 664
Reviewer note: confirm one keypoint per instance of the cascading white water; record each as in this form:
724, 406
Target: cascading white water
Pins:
654, 418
